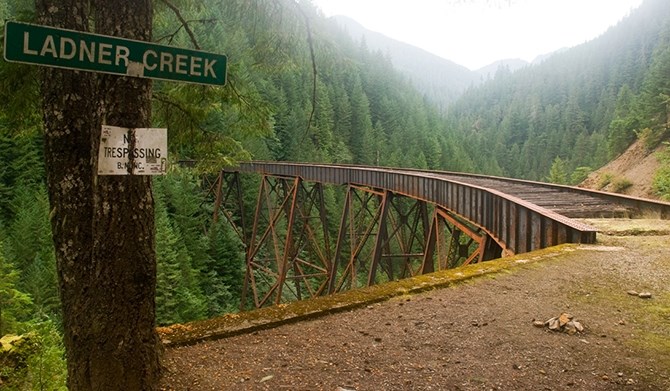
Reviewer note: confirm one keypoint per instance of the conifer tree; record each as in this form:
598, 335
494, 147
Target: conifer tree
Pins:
558, 173
102, 226
31, 247
225, 271
14, 304
178, 297
625, 123
361, 125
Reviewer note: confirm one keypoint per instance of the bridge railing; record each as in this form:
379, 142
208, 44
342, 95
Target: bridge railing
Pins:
518, 226
643, 207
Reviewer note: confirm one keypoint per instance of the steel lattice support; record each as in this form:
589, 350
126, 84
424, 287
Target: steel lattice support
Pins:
360, 216
453, 243
380, 230
288, 256
404, 247
227, 192
382, 237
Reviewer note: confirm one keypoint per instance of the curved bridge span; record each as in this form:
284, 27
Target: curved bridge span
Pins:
397, 223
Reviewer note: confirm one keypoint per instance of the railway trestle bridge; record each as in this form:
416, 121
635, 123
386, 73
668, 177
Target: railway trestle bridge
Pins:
394, 223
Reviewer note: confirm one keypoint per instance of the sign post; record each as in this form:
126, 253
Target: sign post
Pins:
61, 48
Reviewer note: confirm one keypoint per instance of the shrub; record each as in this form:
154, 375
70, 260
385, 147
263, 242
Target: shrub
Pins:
619, 185
579, 175
605, 180
33, 361
661, 183
651, 138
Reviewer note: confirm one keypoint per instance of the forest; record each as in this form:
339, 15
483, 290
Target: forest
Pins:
300, 89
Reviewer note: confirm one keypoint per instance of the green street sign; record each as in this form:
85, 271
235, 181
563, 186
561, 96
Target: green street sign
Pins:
61, 48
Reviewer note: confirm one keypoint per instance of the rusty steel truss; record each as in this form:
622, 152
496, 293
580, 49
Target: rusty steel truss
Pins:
382, 236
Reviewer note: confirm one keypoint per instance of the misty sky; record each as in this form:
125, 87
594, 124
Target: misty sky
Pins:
475, 33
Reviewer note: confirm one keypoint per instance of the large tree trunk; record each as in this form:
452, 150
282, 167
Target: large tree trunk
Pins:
103, 226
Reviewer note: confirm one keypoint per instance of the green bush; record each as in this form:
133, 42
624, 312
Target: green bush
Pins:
579, 175
619, 185
605, 180
33, 361
652, 138
661, 184
15, 351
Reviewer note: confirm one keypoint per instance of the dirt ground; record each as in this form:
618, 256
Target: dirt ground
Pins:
636, 165
477, 335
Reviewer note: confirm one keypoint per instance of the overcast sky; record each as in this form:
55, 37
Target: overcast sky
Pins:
475, 33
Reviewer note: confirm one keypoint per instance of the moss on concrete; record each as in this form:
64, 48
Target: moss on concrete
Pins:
269, 317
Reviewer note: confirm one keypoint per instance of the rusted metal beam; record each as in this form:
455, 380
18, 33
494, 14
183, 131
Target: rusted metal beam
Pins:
227, 193
289, 220
385, 204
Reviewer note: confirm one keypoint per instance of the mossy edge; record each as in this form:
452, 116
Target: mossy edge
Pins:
269, 317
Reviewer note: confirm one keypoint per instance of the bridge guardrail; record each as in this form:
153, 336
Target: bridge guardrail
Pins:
517, 225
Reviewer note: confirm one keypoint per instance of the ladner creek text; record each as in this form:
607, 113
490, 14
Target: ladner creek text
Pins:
117, 55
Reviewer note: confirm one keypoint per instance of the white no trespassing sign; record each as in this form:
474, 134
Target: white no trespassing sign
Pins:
132, 151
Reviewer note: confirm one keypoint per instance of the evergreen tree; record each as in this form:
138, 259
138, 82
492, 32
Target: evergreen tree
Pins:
661, 182
178, 297
225, 270
625, 123
20, 157
558, 173
14, 304
654, 101
182, 197
361, 125
31, 248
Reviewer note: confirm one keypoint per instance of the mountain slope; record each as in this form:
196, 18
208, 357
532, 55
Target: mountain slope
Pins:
631, 173
440, 79
489, 71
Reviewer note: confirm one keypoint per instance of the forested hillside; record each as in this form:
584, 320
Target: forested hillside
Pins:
579, 108
300, 89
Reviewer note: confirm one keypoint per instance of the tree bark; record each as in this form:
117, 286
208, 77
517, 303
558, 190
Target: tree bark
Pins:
103, 226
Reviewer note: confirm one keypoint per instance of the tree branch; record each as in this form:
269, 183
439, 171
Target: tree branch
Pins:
164, 99
183, 21
170, 37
